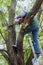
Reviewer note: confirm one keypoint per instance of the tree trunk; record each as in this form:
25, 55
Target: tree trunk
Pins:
20, 48
11, 33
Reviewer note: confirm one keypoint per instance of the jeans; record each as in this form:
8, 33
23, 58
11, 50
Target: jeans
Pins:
35, 42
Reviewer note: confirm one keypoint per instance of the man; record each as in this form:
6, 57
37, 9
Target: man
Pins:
33, 28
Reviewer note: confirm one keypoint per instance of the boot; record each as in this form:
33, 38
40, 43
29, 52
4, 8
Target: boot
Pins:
38, 54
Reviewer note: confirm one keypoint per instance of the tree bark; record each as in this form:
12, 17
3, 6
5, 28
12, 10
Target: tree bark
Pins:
11, 33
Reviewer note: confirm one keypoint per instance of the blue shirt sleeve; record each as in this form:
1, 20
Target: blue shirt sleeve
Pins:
22, 14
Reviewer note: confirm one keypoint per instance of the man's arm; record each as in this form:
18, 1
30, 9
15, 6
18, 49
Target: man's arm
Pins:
22, 14
20, 18
18, 21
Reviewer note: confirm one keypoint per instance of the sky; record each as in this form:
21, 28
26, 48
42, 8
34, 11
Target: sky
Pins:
26, 3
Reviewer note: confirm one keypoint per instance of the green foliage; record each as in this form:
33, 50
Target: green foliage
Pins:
5, 2
3, 61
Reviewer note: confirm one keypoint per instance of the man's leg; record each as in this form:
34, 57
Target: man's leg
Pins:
28, 30
16, 43
35, 41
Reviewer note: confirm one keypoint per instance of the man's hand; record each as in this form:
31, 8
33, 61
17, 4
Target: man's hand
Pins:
18, 21
21, 20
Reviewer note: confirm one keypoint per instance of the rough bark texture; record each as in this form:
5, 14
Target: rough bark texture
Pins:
20, 48
10, 42
11, 35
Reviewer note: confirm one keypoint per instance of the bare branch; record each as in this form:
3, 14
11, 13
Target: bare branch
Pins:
6, 57
41, 10
2, 36
2, 14
1, 50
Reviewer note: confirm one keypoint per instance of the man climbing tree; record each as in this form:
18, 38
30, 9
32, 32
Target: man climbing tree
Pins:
32, 28
22, 31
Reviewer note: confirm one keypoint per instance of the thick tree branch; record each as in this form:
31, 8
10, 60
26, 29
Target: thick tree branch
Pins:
1, 50
11, 35
2, 14
2, 36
